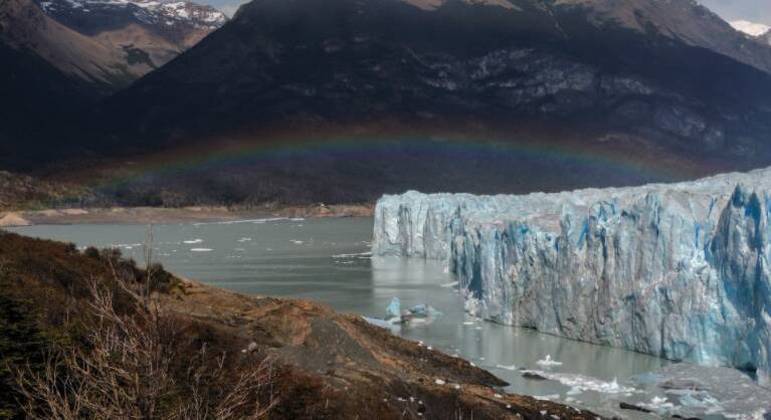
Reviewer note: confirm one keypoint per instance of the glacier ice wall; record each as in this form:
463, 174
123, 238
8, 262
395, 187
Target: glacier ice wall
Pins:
674, 270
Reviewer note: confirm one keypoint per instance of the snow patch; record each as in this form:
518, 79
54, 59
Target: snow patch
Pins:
750, 28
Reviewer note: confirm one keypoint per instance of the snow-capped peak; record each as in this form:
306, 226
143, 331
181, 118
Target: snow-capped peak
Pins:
147, 11
750, 28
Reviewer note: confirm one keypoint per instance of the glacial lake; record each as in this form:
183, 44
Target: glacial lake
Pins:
328, 260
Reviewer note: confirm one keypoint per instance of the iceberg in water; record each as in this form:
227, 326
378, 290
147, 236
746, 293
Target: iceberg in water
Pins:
674, 270
394, 310
418, 313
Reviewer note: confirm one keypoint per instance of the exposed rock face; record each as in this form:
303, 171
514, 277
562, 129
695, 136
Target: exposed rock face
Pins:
181, 23
766, 38
678, 271
105, 43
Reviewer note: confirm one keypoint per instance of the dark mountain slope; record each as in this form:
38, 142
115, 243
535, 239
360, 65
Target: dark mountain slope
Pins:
37, 100
346, 62
52, 75
627, 82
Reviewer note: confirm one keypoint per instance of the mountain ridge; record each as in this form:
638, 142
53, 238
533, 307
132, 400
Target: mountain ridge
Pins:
106, 43
287, 89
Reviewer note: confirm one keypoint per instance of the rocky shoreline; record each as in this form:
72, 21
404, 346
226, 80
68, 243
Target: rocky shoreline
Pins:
157, 215
325, 364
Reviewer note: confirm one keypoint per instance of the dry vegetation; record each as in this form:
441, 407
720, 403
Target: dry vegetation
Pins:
103, 348
91, 335
19, 192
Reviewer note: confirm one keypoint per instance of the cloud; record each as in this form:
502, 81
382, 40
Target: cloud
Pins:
749, 10
228, 7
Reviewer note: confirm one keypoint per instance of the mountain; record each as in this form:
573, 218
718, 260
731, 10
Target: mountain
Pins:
107, 44
682, 21
766, 38
38, 98
59, 61
467, 95
160, 29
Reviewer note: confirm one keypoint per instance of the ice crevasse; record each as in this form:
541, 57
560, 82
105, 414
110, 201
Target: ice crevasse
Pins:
674, 270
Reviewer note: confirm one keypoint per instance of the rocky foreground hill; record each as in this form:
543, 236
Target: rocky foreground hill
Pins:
90, 335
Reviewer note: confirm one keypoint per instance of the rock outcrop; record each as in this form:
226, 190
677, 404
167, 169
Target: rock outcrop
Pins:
678, 271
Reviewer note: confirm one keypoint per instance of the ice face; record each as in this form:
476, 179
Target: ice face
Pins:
674, 270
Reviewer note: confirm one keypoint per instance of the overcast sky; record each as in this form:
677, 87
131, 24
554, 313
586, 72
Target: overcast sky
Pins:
758, 11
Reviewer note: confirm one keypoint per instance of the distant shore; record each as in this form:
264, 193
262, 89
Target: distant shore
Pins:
158, 215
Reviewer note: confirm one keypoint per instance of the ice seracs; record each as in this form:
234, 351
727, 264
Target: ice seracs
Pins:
674, 270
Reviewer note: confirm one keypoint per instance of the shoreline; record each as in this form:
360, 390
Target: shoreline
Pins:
163, 215
323, 363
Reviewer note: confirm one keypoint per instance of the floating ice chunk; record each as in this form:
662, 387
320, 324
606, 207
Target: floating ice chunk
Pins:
193, 241
506, 367
394, 309
548, 362
581, 383
244, 239
201, 250
660, 405
126, 246
574, 391
378, 322
296, 241
425, 311
235, 222
700, 391
360, 255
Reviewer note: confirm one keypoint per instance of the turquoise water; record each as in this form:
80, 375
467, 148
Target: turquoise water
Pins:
328, 260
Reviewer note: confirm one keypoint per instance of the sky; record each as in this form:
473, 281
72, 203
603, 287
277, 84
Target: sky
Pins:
758, 11
229, 6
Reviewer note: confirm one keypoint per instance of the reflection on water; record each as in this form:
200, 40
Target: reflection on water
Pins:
327, 260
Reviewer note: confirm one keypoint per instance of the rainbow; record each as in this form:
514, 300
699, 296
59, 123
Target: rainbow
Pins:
556, 153
278, 149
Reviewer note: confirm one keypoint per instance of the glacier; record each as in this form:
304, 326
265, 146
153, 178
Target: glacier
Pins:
678, 270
